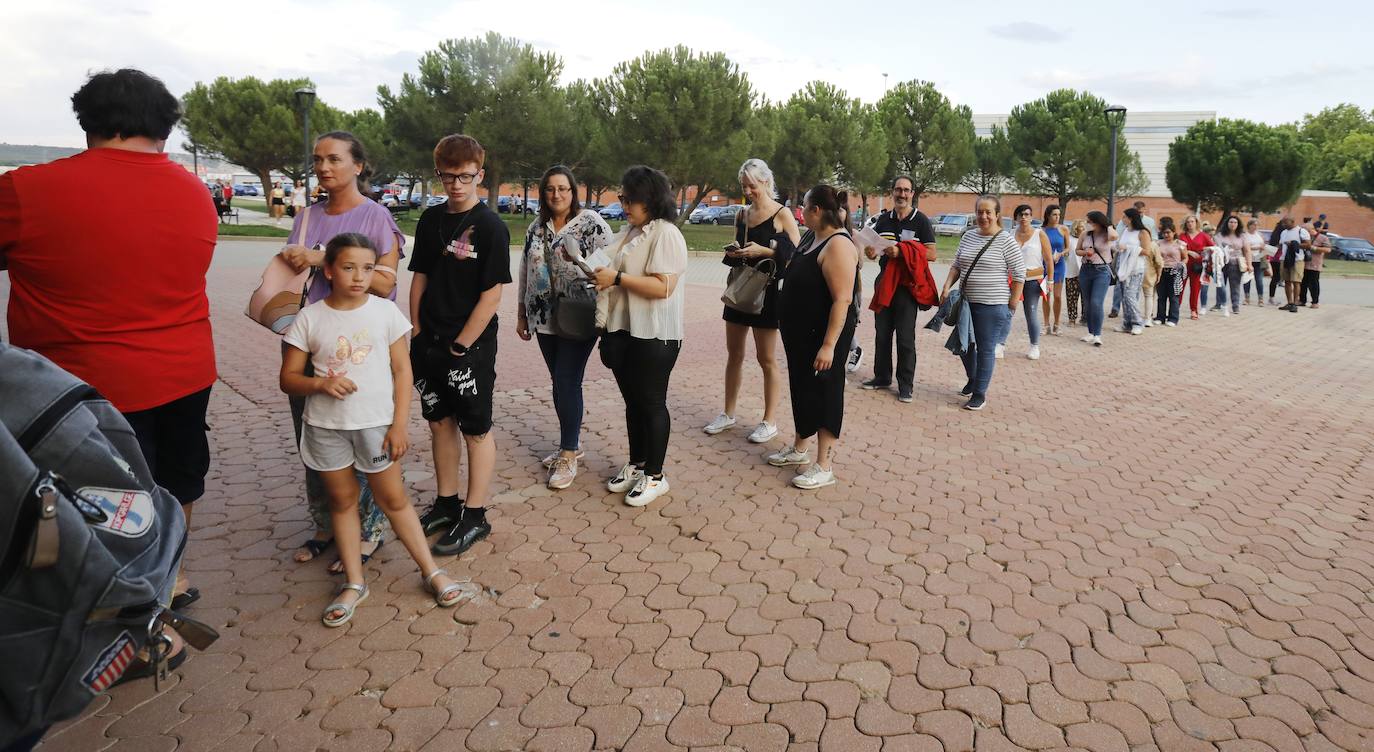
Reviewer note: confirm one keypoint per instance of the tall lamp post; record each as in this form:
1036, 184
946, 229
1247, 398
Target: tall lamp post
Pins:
305, 99
1116, 118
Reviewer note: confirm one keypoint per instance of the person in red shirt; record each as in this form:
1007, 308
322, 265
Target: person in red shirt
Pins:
114, 290
1195, 242
227, 193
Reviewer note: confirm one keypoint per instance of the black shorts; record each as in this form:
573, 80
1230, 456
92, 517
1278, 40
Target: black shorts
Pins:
174, 444
455, 387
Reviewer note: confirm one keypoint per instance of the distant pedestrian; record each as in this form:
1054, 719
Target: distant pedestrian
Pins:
1312, 274
1231, 239
1195, 244
1294, 243
1171, 276
1121, 228
1058, 234
987, 258
227, 192
1095, 250
563, 234
300, 199
902, 222
1259, 261
278, 200
818, 316
642, 308
1072, 264
341, 168
1130, 253
764, 231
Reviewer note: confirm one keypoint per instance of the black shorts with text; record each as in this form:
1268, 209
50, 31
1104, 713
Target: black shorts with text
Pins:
451, 386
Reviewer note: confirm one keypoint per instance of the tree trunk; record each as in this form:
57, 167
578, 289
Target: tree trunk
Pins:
265, 177
701, 191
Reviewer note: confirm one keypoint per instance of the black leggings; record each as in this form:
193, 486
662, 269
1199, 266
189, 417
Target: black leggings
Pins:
642, 376
1311, 285
1275, 276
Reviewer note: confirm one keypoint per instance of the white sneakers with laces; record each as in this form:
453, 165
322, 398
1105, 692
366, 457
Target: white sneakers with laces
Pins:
814, 477
1034, 353
646, 490
625, 479
721, 423
789, 456
763, 432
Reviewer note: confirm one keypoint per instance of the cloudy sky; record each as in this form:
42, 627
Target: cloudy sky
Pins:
1247, 58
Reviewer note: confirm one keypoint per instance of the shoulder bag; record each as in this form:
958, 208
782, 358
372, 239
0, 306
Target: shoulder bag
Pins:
956, 310
282, 292
1111, 265
572, 312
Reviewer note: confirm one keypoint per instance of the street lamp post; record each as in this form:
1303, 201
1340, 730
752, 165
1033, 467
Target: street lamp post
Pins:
305, 99
884, 83
1116, 118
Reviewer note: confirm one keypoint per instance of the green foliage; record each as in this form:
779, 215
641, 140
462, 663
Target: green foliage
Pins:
992, 163
688, 114
1061, 145
254, 123
1338, 138
817, 129
928, 138
1233, 165
864, 167
1359, 182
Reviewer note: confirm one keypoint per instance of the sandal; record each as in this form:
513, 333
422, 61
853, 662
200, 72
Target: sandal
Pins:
449, 596
314, 547
346, 608
338, 568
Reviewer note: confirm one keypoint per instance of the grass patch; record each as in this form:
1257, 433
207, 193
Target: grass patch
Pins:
256, 203
253, 231
1344, 268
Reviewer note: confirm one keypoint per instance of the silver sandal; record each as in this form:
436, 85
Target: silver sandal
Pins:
449, 596
346, 608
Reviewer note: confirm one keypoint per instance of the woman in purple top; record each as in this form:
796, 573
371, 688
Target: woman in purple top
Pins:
342, 170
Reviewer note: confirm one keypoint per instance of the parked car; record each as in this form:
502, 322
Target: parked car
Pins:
699, 214
952, 224
1352, 249
613, 211
244, 189
724, 215
435, 200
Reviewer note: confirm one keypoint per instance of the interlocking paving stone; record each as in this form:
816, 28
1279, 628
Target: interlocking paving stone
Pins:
1165, 543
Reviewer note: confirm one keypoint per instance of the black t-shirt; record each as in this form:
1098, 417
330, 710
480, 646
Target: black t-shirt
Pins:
463, 255
915, 227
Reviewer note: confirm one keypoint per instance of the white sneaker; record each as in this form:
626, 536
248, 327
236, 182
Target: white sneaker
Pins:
789, 456
1149, 323
1034, 353
721, 423
1001, 352
1097, 341
1170, 323
646, 490
1086, 338
625, 479
814, 478
552, 458
856, 359
1226, 313
1137, 330
1203, 312
763, 432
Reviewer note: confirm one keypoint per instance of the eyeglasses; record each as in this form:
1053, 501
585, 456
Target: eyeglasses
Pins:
447, 178
557, 189
901, 190
621, 198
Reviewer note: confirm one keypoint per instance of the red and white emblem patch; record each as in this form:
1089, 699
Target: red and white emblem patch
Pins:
110, 664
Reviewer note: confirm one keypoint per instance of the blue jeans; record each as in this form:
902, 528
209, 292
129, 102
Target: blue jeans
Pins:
1116, 299
989, 321
567, 362
1131, 299
1030, 305
1093, 281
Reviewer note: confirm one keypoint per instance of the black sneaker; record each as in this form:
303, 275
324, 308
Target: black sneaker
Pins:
904, 396
876, 384
975, 403
441, 516
461, 536
967, 391
856, 359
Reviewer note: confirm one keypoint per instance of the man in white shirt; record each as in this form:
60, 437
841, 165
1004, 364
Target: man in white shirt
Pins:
1294, 244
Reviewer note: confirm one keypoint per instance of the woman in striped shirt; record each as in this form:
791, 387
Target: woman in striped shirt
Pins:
985, 291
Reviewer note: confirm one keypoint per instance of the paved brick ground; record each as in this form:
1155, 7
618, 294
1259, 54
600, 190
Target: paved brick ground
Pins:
1162, 544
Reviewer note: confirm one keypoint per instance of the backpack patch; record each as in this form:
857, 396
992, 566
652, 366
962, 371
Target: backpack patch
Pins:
130, 513
110, 664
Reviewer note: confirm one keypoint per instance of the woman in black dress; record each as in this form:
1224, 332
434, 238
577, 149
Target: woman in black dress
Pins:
817, 315
765, 230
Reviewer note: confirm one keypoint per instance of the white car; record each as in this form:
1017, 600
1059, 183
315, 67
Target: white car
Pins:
952, 224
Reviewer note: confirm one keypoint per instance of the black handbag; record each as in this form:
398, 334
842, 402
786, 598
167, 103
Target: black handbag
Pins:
572, 312
957, 309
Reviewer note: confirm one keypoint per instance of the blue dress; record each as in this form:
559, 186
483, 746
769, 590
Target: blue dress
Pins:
1056, 237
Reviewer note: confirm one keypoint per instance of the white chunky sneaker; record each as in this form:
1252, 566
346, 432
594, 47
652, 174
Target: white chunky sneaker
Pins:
814, 478
646, 490
1034, 353
721, 423
625, 479
763, 432
789, 456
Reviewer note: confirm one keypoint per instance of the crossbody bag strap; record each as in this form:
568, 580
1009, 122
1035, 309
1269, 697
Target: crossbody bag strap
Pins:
310, 277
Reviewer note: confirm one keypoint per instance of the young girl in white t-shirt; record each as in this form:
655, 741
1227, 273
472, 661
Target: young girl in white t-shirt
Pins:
356, 408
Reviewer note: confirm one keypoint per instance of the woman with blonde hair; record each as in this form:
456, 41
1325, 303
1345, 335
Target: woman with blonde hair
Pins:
764, 231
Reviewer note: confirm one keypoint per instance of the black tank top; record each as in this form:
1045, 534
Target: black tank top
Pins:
804, 300
765, 235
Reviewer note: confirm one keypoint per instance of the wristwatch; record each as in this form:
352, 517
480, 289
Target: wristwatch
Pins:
616, 283
458, 349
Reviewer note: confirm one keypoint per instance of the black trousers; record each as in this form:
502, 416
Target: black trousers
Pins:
1166, 302
642, 376
1275, 276
898, 319
1311, 283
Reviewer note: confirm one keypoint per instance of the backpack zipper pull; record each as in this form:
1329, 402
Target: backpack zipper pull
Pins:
44, 546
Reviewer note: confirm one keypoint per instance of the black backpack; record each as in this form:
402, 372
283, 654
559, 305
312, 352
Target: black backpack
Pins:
89, 544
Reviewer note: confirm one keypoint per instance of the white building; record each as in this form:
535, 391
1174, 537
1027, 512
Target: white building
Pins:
1147, 133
